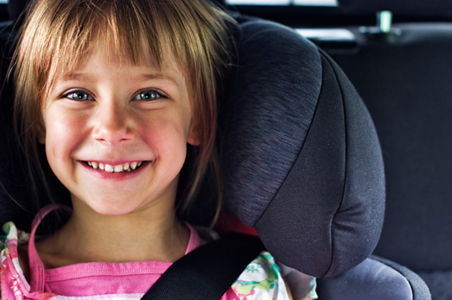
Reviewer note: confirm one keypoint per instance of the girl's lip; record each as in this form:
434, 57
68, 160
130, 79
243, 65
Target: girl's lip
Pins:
115, 175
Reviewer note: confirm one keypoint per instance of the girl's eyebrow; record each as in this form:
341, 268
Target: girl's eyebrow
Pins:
160, 76
143, 77
74, 76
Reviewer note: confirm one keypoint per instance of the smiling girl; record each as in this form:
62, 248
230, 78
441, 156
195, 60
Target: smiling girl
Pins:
116, 90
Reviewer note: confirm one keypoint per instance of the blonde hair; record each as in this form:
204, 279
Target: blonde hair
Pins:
58, 34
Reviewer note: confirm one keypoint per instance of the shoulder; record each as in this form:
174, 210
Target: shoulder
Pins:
13, 244
264, 278
12, 274
261, 279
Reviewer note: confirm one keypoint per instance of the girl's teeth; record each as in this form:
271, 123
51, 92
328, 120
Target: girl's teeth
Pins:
109, 168
127, 167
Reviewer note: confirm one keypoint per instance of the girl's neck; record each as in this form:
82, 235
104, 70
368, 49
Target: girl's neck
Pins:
145, 235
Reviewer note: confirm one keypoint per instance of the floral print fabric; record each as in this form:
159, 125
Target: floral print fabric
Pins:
13, 283
262, 280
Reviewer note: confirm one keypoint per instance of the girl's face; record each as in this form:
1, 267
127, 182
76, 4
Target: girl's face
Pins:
116, 133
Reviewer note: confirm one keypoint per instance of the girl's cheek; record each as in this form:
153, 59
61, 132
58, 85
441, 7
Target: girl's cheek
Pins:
63, 129
161, 129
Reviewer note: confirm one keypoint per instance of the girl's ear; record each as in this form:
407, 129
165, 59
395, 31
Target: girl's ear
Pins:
193, 137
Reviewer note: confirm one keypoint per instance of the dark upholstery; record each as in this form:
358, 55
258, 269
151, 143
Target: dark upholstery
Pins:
374, 279
265, 126
300, 151
11, 173
440, 284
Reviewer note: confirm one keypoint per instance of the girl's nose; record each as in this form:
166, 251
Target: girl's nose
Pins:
112, 125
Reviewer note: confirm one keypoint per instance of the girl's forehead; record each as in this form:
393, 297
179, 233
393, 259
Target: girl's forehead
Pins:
169, 65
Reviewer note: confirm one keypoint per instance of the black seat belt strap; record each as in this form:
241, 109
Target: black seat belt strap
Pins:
208, 271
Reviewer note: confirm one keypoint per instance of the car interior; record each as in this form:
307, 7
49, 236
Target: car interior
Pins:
336, 122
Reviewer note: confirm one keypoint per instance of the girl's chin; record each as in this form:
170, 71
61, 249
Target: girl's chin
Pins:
115, 210
105, 207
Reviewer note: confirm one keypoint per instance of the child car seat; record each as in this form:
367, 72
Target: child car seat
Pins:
302, 164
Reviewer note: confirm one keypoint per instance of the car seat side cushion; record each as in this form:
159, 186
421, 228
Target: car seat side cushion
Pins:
363, 205
340, 159
266, 120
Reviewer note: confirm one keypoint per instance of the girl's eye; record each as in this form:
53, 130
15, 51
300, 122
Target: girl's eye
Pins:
78, 95
148, 95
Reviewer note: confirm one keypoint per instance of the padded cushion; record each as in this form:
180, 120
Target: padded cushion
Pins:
265, 125
301, 159
12, 175
439, 283
375, 279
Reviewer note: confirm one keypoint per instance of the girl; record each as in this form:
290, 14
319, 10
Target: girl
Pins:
116, 90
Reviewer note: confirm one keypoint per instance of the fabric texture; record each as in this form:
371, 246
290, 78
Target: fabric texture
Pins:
439, 283
261, 279
370, 280
262, 124
335, 188
287, 153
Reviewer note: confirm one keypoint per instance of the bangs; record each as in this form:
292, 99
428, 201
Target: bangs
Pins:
68, 30
120, 29
116, 29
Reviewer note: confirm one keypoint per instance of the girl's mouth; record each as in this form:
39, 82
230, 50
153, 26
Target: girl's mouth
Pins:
127, 167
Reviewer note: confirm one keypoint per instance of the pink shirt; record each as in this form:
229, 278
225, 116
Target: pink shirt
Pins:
261, 280
87, 281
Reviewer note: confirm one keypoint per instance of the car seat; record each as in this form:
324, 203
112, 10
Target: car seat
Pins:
302, 164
